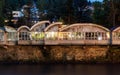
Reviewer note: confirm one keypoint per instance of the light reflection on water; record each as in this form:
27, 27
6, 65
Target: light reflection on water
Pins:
59, 69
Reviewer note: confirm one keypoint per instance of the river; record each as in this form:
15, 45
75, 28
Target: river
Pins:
50, 69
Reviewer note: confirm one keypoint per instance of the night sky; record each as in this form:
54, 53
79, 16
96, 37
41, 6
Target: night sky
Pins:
96, 0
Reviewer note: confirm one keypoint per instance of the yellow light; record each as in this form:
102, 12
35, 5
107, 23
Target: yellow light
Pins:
108, 35
6, 20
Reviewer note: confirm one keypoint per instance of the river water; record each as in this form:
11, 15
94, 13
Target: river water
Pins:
83, 69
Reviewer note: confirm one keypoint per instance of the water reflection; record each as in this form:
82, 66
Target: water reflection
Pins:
59, 70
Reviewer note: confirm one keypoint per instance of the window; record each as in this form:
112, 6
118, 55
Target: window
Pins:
1, 36
24, 36
94, 35
118, 35
37, 35
11, 36
51, 35
79, 35
88, 35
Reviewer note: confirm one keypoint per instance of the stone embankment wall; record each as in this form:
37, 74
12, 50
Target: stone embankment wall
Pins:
53, 53
76, 53
20, 54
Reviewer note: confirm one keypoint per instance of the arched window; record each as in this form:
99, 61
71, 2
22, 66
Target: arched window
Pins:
23, 33
24, 36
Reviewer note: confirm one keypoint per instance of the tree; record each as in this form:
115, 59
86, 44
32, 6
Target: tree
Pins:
113, 11
69, 16
2, 3
99, 13
53, 8
69, 11
82, 11
107, 13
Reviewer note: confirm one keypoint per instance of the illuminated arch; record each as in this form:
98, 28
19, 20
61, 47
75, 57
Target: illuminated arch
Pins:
52, 25
38, 24
9, 29
118, 28
84, 25
23, 27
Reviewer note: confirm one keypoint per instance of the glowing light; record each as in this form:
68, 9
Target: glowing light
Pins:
100, 38
108, 35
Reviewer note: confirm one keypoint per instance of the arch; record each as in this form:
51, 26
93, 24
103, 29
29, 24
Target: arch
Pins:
23, 27
52, 25
23, 34
116, 36
10, 29
84, 25
85, 33
38, 24
116, 29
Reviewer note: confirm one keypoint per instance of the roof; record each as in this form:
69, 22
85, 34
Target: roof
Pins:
9, 29
53, 24
85, 24
115, 28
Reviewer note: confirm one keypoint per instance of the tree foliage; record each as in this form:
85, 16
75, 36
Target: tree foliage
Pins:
2, 3
68, 11
107, 13
99, 13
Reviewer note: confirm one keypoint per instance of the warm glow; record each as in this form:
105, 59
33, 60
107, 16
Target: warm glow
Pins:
100, 38
37, 35
60, 35
6, 20
108, 35
51, 35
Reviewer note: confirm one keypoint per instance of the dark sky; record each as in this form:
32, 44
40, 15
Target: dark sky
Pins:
96, 0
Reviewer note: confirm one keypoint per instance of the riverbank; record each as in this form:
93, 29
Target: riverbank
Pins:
59, 54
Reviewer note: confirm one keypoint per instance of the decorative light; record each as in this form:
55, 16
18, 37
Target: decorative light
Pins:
6, 20
99, 37
108, 35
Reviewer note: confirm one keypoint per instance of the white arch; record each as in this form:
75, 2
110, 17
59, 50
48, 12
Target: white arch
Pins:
22, 28
39, 23
85, 24
53, 24
9, 29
